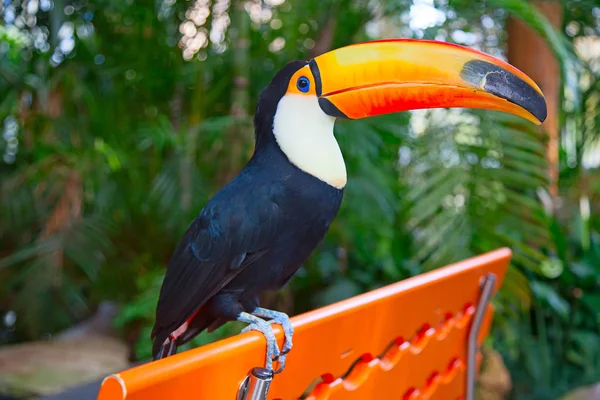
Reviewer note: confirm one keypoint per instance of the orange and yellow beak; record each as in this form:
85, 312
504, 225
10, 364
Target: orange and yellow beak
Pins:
387, 76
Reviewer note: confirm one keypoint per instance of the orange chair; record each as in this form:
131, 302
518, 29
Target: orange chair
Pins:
415, 339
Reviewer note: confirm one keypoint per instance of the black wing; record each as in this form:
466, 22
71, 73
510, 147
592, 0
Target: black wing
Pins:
228, 235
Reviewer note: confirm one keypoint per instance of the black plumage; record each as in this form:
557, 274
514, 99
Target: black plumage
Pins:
252, 236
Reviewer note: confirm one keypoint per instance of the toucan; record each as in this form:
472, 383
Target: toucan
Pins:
259, 229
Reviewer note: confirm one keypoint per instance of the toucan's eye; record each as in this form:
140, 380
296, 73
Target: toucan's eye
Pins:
303, 84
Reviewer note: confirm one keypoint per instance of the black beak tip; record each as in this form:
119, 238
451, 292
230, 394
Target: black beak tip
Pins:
541, 113
502, 83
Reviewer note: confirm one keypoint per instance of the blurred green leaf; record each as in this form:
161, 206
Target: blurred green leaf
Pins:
546, 293
341, 289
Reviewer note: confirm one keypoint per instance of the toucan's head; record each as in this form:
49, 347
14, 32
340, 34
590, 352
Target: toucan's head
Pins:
299, 106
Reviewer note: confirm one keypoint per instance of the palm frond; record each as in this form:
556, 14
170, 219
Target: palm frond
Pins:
473, 187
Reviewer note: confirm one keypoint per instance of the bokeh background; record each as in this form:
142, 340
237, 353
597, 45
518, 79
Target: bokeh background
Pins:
119, 119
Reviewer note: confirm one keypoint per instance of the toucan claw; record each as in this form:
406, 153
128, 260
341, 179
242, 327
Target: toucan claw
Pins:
264, 327
283, 319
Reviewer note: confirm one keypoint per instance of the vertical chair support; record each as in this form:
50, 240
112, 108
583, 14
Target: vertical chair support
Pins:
489, 281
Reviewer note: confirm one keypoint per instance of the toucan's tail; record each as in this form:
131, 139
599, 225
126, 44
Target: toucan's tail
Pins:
166, 349
167, 346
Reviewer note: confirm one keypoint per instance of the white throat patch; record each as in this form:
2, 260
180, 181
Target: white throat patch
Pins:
305, 135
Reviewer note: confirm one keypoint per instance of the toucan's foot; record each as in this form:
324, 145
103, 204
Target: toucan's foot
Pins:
264, 327
277, 317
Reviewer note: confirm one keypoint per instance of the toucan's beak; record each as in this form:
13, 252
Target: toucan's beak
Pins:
387, 76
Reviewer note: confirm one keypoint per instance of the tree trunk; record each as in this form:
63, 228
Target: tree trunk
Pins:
530, 53
325, 38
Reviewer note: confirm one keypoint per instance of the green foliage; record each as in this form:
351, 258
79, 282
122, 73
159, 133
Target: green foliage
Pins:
486, 168
120, 120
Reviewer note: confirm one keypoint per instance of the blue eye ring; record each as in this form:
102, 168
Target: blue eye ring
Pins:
303, 84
